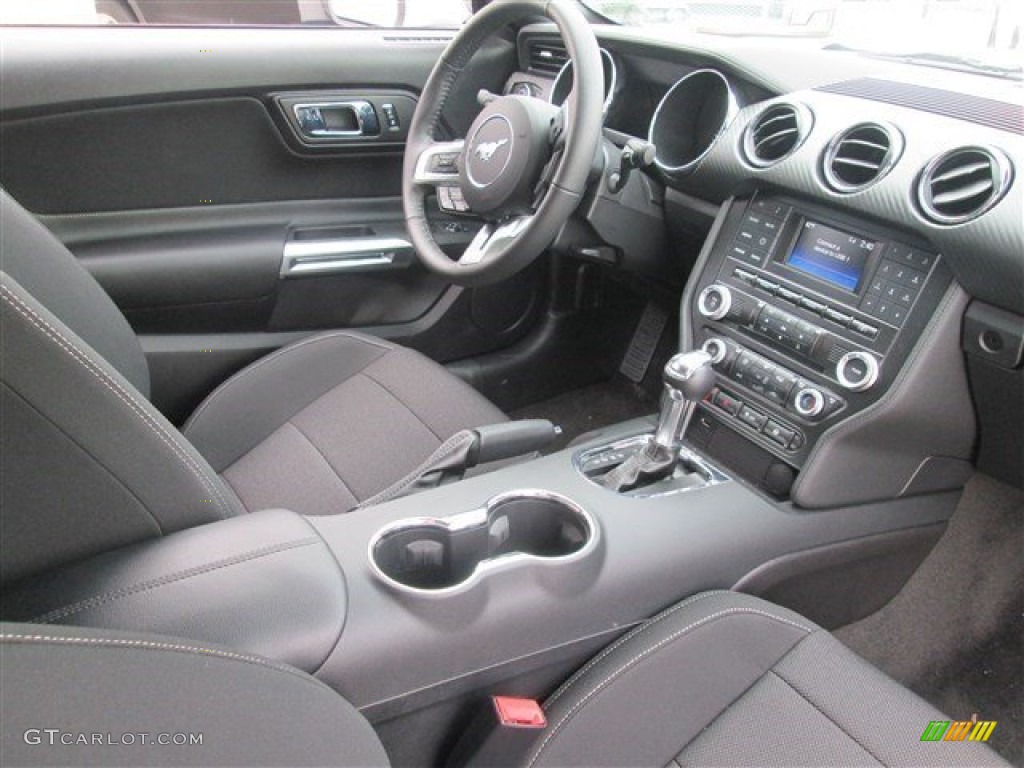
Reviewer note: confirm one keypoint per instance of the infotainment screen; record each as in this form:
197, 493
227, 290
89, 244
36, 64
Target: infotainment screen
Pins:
832, 255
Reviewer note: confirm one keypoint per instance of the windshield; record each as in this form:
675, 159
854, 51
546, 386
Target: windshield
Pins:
967, 34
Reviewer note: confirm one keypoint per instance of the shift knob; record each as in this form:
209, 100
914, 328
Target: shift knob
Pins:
688, 379
690, 374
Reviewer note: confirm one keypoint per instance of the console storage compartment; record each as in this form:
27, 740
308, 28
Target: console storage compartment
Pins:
264, 583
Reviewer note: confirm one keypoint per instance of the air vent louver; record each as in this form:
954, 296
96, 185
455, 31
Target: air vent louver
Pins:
962, 184
547, 56
861, 156
776, 133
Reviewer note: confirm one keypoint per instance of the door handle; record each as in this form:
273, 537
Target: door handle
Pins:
363, 254
337, 119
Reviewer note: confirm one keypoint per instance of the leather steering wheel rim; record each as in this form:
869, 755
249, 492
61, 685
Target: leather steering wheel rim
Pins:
582, 134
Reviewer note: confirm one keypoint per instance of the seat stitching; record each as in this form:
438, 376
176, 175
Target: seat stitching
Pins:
828, 717
625, 639
149, 645
618, 671
120, 484
323, 456
83, 359
145, 586
269, 359
398, 400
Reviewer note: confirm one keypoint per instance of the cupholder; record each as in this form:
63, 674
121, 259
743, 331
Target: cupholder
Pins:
437, 555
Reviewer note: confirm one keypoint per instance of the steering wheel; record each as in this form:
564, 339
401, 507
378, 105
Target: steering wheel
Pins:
524, 164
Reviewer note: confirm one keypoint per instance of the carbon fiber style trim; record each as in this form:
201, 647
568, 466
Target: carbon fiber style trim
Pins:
974, 109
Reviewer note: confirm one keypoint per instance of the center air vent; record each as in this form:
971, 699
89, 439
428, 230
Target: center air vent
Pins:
776, 133
547, 56
861, 156
962, 184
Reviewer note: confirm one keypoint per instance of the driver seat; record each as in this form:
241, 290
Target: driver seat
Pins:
89, 464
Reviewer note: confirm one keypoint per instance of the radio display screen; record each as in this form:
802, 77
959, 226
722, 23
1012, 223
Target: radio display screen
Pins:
832, 255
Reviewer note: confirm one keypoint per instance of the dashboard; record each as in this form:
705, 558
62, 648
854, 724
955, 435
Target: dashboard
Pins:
856, 205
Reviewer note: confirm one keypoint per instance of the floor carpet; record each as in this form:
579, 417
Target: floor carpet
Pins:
593, 407
955, 633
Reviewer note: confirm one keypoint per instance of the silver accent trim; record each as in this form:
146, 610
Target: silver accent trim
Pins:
609, 96
319, 257
476, 150
356, 105
871, 365
723, 310
489, 237
815, 409
804, 124
1002, 177
709, 473
731, 111
423, 175
718, 344
474, 517
892, 156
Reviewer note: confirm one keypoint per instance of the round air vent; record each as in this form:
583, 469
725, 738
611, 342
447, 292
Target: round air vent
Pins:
861, 155
963, 183
776, 133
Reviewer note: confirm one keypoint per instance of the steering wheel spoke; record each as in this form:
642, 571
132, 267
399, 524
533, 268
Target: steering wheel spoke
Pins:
492, 237
438, 164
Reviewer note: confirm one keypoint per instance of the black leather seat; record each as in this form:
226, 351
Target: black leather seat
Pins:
719, 679
89, 464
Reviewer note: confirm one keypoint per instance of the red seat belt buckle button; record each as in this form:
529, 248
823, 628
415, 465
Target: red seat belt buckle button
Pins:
519, 713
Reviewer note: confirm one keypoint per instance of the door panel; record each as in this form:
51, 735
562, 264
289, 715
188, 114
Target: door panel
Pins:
169, 163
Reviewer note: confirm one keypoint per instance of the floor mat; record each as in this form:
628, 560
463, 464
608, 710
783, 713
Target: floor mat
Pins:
590, 408
955, 633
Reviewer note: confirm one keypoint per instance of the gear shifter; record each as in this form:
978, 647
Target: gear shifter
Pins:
688, 378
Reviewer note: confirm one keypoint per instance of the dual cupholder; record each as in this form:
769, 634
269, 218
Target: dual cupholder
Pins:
428, 555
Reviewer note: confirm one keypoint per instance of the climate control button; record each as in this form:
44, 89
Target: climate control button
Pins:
716, 348
809, 402
857, 371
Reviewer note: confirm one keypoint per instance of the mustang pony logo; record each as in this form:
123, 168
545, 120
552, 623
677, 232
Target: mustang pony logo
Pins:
486, 150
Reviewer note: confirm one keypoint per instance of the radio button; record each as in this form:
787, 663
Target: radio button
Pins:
813, 306
863, 329
836, 317
877, 286
744, 276
743, 252
770, 207
714, 302
791, 296
766, 285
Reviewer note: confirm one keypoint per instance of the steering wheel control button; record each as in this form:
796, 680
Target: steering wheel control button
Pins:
809, 402
714, 302
857, 371
444, 162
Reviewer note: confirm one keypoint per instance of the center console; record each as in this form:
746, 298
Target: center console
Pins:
810, 317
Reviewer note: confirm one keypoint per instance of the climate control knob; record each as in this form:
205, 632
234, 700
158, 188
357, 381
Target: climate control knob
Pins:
857, 371
809, 402
714, 302
716, 349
